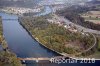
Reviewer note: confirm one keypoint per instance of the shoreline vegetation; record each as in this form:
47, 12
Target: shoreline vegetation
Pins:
56, 37
7, 58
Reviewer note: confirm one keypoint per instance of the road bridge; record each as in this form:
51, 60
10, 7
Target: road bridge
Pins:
40, 59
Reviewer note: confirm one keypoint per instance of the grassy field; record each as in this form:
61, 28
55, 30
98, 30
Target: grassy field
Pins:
92, 16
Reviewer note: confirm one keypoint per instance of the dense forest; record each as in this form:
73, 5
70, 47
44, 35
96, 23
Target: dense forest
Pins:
56, 37
7, 58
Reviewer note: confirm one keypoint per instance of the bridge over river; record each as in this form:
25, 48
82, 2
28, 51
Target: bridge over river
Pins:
34, 59
40, 59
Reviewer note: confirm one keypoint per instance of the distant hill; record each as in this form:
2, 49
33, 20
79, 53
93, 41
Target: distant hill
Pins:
95, 1
19, 3
32, 3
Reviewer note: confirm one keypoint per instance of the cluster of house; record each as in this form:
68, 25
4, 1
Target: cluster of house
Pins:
20, 10
58, 7
69, 27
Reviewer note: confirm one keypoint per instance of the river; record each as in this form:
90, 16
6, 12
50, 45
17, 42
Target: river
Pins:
21, 43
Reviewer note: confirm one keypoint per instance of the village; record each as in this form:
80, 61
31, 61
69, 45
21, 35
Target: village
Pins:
56, 20
22, 10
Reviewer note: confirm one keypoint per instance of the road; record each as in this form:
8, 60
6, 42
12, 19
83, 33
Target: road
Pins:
79, 28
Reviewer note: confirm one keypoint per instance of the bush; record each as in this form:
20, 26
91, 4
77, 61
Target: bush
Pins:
98, 43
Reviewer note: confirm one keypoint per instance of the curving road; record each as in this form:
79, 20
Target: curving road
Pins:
79, 28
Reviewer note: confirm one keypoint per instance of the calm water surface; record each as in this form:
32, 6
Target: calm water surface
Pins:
21, 43
19, 40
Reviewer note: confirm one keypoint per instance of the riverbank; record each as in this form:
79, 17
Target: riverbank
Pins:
1, 33
29, 32
6, 56
21, 10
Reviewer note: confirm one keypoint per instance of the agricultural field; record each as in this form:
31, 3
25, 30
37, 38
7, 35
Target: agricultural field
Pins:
92, 16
